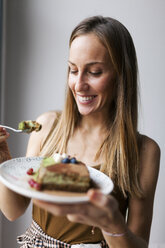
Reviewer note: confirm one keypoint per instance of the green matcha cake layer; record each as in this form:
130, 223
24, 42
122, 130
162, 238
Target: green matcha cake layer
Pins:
63, 176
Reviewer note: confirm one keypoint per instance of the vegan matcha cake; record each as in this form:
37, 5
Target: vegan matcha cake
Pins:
60, 172
29, 126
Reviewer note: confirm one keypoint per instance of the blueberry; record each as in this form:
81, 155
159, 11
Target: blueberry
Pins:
66, 160
73, 161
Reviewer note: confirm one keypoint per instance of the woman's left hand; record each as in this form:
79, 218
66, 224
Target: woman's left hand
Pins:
101, 211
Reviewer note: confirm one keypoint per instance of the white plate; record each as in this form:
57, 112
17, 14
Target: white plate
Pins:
13, 175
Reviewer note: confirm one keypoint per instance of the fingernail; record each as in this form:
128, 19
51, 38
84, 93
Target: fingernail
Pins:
95, 195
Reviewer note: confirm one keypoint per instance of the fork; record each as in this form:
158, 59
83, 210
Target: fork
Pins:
13, 129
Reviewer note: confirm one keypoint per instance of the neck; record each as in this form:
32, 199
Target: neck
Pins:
94, 122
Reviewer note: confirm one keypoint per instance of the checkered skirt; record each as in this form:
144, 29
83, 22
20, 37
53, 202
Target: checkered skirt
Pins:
34, 237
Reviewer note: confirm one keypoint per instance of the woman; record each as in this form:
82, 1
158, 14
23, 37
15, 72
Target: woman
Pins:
99, 127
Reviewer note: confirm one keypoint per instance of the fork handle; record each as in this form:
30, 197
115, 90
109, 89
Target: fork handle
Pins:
13, 129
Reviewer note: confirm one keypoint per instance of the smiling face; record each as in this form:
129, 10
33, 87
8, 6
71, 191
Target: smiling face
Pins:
91, 75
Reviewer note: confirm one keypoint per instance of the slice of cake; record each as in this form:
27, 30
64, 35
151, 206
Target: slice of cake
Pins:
29, 126
66, 174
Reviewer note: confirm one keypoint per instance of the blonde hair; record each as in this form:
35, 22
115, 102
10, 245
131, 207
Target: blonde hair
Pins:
120, 147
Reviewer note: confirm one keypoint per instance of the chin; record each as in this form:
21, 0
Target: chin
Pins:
85, 112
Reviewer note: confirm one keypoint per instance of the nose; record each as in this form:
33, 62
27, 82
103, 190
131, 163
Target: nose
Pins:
81, 83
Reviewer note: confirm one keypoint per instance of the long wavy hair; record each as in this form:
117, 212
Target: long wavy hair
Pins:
119, 150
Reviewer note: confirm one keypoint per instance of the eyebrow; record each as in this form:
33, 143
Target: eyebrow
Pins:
90, 63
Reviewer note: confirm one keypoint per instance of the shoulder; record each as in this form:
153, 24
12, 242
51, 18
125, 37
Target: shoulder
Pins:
149, 163
36, 139
48, 118
149, 147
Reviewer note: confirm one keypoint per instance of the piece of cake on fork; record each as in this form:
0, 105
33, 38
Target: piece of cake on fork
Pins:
29, 126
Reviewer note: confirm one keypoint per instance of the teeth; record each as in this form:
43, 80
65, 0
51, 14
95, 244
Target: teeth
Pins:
85, 98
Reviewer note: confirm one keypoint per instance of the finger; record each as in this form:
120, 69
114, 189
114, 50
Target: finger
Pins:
50, 207
106, 202
76, 218
3, 136
60, 209
99, 221
82, 219
3, 131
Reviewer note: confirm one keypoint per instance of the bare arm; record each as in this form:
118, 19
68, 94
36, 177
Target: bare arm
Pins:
141, 209
12, 204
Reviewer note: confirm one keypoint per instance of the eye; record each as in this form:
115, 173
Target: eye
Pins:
73, 71
95, 73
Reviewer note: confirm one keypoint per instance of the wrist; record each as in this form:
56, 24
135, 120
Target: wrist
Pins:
114, 234
115, 230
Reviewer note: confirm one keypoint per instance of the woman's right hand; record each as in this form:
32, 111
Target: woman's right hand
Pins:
4, 151
3, 134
